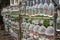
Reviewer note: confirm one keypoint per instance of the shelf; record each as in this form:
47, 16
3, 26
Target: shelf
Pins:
39, 16
14, 13
14, 16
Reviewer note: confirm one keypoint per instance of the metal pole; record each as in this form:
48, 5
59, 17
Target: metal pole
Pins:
20, 21
55, 18
55, 23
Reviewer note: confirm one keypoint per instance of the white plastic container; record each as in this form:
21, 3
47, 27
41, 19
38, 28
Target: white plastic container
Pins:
27, 7
31, 27
27, 27
23, 26
51, 8
33, 8
45, 8
36, 8
11, 2
35, 29
22, 11
49, 33
29, 10
42, 29
40, 8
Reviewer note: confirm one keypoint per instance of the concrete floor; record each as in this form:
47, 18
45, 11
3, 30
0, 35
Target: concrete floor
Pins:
4, 37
